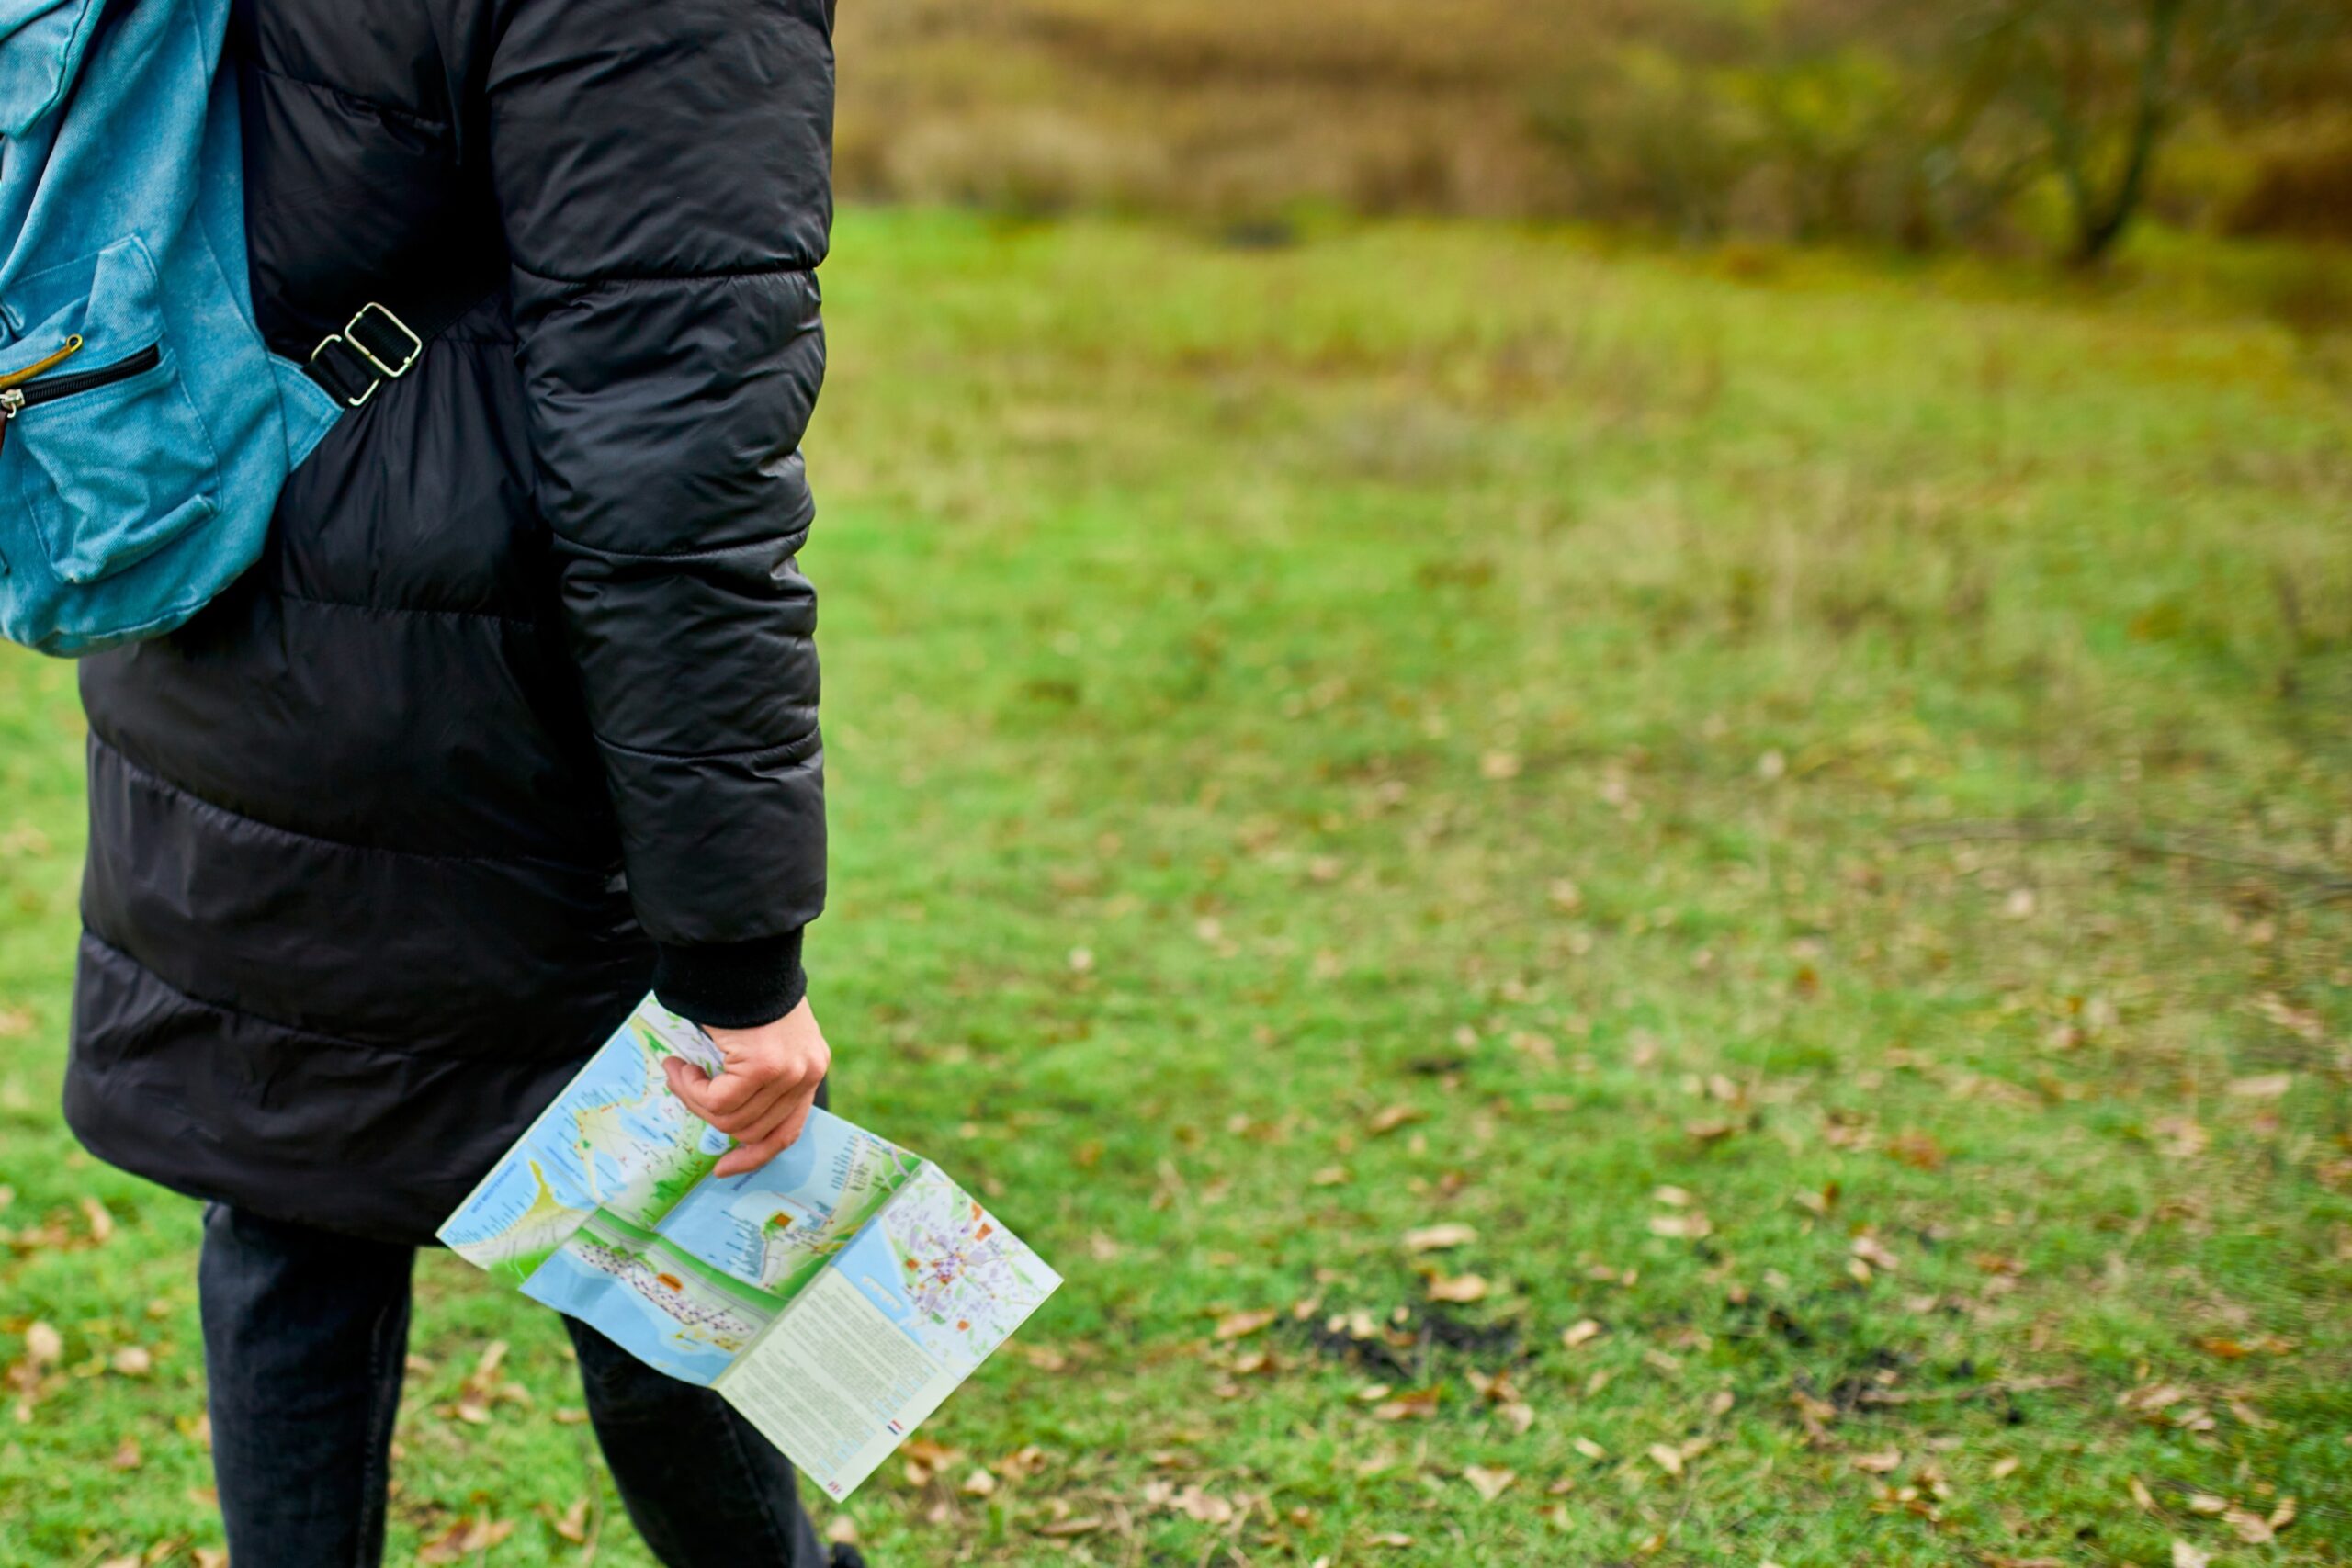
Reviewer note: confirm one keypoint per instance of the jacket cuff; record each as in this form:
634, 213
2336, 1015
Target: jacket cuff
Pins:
732, 985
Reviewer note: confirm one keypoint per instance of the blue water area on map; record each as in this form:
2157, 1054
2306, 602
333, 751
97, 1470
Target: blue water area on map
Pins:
505, 1195
625, 1077
868, 1263
805, 1181
627, 1319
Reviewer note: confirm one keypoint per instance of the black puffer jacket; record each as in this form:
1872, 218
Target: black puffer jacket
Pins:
519, 711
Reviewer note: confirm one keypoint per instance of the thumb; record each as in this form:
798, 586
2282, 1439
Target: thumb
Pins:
684, 1078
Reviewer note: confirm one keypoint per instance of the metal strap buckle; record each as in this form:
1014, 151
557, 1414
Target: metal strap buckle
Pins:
349, 338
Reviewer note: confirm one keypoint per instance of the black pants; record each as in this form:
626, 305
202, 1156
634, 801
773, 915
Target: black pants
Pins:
305, 1335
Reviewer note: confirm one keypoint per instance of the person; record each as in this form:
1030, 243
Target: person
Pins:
515, 718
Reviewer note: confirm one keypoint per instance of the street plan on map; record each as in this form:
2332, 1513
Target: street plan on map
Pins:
835, 1296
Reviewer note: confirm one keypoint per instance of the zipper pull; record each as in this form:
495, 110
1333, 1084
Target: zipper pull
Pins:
15, 378
12, 403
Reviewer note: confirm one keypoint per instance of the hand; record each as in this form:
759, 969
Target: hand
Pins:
762, 1096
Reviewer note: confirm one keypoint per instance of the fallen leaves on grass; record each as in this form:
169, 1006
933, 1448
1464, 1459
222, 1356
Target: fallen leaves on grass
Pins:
571, 1525
2304, 1023
2249, 1527
1495, 1388
1885, 1461
2162, 1404
1488, 1483
467, 1538
1064, 1529
1192, 1501
1393, 1117
1916, 1149
923, 1458
1236, 1325
2181, 1137
1438, 1238
1459, 1289
1581, 1332
2264, 1086
1815, 1415
1023, 1462
483, 1388
2231, 1349
2187, 1556
1415, 1404
1868, 1249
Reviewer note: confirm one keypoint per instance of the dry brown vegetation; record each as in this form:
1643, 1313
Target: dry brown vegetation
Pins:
1982, 121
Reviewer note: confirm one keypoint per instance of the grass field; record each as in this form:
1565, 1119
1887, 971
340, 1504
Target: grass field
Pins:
1806, 816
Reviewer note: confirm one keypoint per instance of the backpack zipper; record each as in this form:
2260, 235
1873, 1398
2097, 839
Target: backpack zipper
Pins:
73, 345
15, 399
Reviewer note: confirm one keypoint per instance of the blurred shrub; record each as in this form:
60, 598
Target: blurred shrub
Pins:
2301, 186
1919, 123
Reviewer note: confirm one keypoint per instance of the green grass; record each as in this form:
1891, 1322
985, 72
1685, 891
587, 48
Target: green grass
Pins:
1467, 679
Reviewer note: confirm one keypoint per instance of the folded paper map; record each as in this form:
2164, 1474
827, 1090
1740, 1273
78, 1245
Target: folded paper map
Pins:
834, 1296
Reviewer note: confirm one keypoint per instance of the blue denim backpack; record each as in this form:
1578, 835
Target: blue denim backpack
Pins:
146, 429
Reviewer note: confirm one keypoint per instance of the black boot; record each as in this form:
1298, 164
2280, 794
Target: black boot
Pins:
847, 1556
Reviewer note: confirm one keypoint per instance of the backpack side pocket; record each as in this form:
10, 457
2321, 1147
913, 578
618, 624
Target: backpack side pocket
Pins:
109, 452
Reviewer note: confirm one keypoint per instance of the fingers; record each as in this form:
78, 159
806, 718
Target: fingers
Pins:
689, 1083
732, 1091
751, 1156
738, 1104
762, 1095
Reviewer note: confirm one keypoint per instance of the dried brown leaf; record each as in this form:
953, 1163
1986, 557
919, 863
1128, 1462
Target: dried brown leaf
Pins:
1416, 1405
2250, 1526
1063, 1530
1240, 1325
1436, 1238
1459, 1289
1871, 1250
1488, 1483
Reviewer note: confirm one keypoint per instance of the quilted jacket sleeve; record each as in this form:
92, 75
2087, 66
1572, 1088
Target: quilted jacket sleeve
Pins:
663, 174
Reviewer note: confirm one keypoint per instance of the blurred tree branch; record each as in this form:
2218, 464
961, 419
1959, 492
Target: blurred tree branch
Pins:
1924, 121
